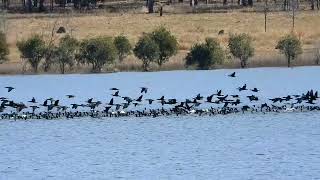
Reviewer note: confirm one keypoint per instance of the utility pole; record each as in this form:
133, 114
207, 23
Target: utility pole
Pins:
293, 13
265, 15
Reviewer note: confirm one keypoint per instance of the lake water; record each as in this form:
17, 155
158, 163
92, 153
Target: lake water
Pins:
249, 146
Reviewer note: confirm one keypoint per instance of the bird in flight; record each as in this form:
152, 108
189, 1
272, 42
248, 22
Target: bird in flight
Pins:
70, 96
116, 94
9, 88
255, 90
144, 90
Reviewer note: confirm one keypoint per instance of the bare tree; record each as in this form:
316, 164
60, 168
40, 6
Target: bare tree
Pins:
317, 54
49, 50
3, 21
191, 3
312, 4
150, 5
286, 5
225, 2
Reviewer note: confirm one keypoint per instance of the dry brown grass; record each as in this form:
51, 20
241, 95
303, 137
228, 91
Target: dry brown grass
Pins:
188, 28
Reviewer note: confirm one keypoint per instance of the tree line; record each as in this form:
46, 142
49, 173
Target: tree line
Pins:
42, 5
156, 47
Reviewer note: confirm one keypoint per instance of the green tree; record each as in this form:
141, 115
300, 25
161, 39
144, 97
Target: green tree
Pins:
97, 52
32, 50
241, 47
123, 46
64, 54
290, 46
167, 43
4, 50
48, 59
147, 50
205, 55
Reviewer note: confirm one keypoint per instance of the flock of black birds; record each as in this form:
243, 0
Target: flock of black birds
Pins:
217, 103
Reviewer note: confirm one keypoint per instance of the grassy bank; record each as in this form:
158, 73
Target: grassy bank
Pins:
188, 28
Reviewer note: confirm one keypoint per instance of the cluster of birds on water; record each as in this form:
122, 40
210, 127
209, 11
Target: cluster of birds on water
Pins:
217, 103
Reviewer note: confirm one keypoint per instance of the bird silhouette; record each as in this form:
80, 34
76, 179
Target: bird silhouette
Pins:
118, 106
219, 93
198, 97
253, 98
111, 102
34, 108
56, 103
274, 100
10, 88
45, 103
243, 88
144, 90
125, 105
33, 100
171, 101
128, 99
235, 103
20, 107
161, 99
287, 98
209, 98
232, 74
70, 96
221, 99
139, 98
116, 94
107, 108
189, 106
74, 106
255, 90
89, 100
150, 101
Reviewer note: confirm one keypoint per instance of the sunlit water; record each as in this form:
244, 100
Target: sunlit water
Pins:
271, 146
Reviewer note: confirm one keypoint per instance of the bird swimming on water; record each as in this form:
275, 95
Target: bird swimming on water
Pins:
33, 100
243, 88
70, 96
232, 74
255, 90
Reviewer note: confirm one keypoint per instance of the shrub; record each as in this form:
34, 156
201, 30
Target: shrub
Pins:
290, 46
147, 50
64, 54
97, 52
32, 50
205, 55
241, 47
4, 50
166, 42
123, 47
